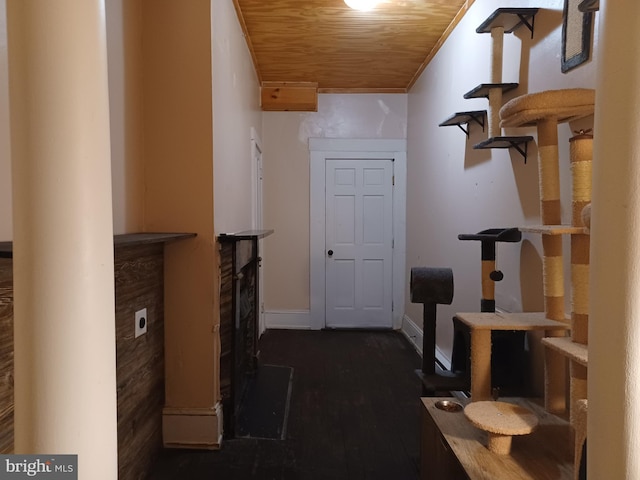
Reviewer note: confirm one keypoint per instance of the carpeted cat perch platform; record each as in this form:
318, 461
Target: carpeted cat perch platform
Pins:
501, 420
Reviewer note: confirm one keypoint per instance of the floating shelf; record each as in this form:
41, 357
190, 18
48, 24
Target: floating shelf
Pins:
511, 321
519, 143
574, 351
554, 229
482, 90
464, 118
510, 19
589, 6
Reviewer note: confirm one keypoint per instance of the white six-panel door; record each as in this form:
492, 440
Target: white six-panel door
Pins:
359, 243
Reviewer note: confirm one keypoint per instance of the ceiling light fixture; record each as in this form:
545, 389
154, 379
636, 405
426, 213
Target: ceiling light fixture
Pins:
362, 5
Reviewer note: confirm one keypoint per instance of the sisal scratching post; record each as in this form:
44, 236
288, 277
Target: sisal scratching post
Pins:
553, 275
497, 47
549, 186
495, 94
580, 427
488, 285
580, 283
578, 388
581, 153
481, 365
546, 110
586, 217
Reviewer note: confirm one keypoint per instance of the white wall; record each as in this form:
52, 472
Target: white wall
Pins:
454, 189
286, 180
6, 228
236, 108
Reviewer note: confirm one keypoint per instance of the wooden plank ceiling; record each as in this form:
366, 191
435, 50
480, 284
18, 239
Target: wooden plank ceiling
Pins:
345, 50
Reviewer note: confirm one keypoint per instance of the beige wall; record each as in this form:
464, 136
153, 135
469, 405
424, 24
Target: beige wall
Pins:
454, 189
124, 49
6, 228
236, 108
286, 180
177, 119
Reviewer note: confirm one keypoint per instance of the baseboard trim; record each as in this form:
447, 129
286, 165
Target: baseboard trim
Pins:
288, 319
414, 334
199, 428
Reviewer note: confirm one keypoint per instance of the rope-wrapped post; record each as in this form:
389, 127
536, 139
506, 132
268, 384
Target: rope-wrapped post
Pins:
495, 94
578, 387
430, 286
580, 427
497, 47
495, 102
546, 110
548, 166
581, 154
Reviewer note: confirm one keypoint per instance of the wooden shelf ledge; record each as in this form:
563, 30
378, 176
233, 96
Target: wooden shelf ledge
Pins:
510, 19
554, 229
482, 90
576, 352
519, 143
464, 118
120, 241
510, 321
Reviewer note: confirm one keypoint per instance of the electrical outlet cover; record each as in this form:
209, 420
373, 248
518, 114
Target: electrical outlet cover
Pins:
141, 322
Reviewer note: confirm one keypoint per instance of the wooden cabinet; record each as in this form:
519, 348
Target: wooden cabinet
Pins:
453, 449
437, 461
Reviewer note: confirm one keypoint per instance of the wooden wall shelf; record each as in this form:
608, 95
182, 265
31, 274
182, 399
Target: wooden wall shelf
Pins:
509, 18
518, 143
482, 90
464, 118
555, 230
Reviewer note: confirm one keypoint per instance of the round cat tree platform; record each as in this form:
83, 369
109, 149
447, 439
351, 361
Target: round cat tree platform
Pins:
501, 420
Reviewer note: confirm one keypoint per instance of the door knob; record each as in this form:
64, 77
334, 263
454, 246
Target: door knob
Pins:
330, 252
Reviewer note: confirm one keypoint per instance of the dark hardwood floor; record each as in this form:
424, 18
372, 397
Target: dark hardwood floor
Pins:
354, 414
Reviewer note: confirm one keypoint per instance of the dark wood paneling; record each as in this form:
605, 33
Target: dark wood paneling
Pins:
6, 356
140, 361
139, 283
226, 321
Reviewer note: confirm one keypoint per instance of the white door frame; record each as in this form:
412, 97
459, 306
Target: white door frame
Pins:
322, 149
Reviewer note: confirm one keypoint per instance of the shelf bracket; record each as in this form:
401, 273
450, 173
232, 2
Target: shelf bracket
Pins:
522, 151
462, 120
524, 19
479, 119
465, 130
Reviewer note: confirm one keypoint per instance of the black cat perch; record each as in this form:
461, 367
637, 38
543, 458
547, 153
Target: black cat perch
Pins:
433, 286
508, 347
